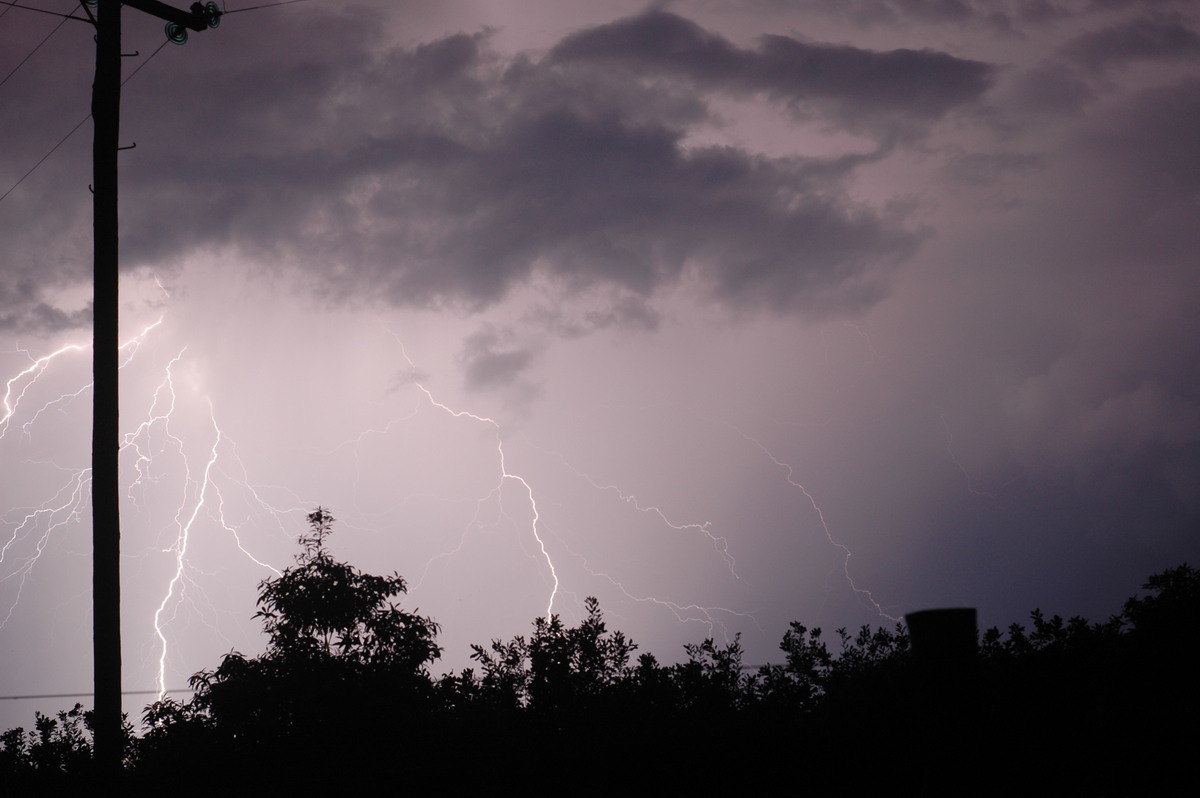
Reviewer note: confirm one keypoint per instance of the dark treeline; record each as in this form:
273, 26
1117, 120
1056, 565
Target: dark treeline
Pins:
343, 699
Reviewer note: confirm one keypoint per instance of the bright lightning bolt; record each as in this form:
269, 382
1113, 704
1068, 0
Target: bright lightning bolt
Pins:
684, 613
200, 496
720, 544
57, 512
180, 547
846, 553
154, 438
505, 474
19, 385
69, 502
210, 489
954, 459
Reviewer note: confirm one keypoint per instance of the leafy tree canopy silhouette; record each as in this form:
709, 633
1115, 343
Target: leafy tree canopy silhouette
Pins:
556, 668
336, 641
342, 693
322, 608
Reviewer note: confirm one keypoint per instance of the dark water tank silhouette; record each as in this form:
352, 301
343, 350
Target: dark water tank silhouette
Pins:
945, 753
943, 639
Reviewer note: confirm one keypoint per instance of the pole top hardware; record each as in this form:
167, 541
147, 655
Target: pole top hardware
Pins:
197, 18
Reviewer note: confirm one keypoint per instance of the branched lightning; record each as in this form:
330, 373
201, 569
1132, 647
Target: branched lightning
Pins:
719, 543
505, 474
710, 616
151, 439
21, 382
69, 503
846, 553
66, 506
200, 495
684, 613
156, 456
714, 618
874, 354
954, 459
180, 546
133, 440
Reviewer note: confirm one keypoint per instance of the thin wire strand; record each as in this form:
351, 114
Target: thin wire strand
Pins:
34, 50
44, 157
81, 121
147, 61
87, 695
131, 74
41, 11
267, 5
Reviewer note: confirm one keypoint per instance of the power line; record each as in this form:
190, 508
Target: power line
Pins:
147, 61
89, 695
267, 5
131, 74
34, 50
41, 11
44, 157
81, 121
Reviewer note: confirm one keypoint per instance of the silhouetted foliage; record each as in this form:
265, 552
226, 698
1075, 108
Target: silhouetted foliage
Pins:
337, 644
323, 609
869, 661
342, 691
57, 752
1167, 616
558, 667
713, 680
57, 744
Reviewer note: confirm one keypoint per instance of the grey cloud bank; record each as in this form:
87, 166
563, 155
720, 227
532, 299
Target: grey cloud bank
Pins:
444, 172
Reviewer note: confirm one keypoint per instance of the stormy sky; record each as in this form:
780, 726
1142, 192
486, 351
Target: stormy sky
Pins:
727, 313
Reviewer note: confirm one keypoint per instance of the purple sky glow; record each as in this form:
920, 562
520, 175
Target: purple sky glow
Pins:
726, 313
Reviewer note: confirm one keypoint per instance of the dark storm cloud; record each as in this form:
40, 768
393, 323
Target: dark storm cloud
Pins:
1144, 39
594, 199
1149, 146
1099, 362
853, 85
983, 169
492, 361
28, 281
627, 312
1076, 76
1051, 88
998, 16
23, 310
619, 309
45, 226
445, 173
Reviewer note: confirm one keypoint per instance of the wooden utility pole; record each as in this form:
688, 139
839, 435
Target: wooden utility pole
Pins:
106, 434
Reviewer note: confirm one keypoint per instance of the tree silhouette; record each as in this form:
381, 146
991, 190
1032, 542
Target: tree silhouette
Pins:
342, 695
342, 659
558, 668
1167, 616
323, 609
